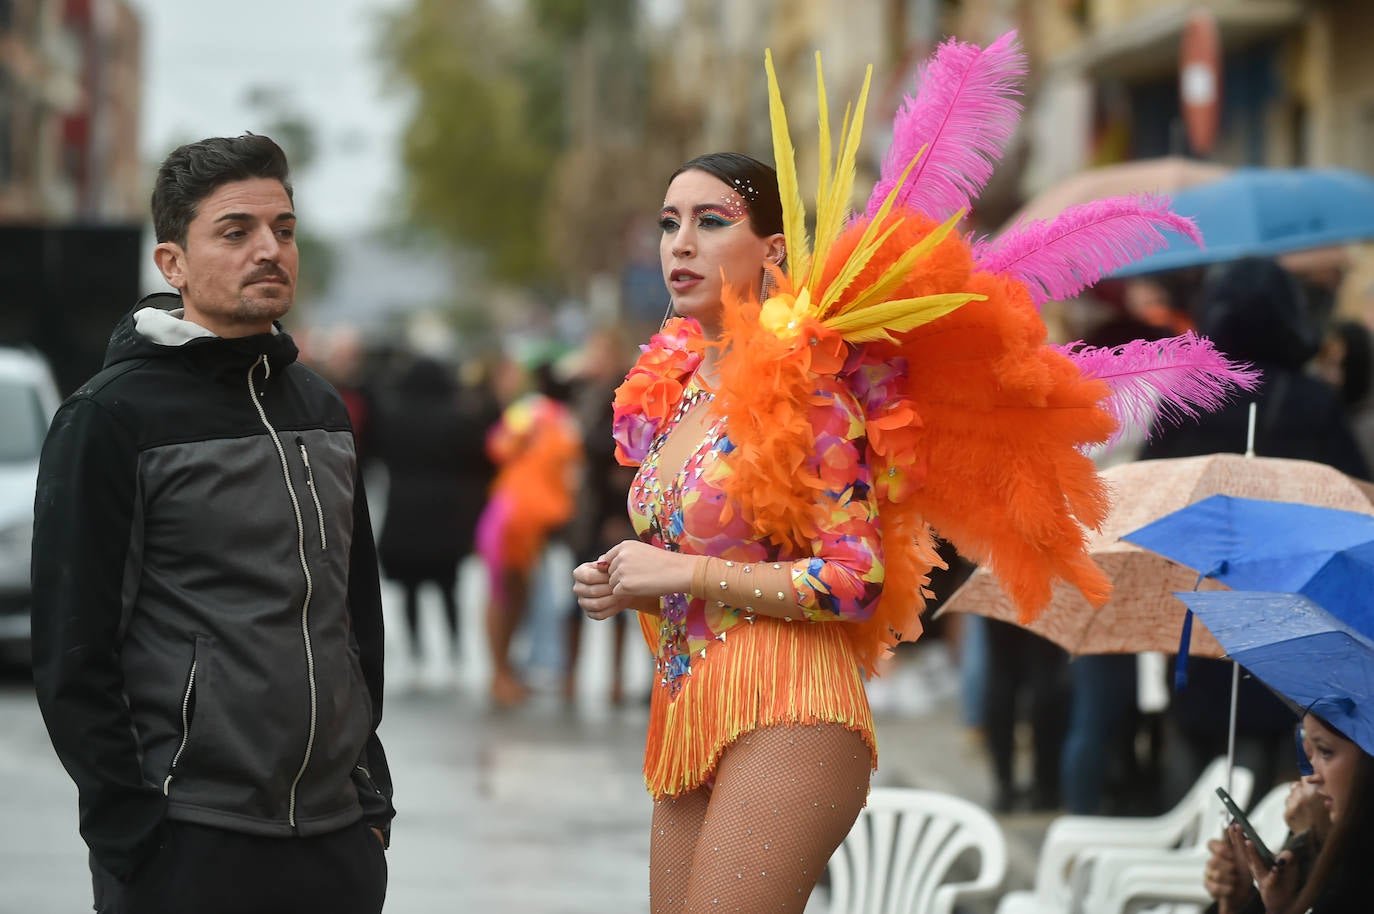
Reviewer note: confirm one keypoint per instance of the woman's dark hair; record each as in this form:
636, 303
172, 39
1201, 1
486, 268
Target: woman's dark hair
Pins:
194, 171
756, 182
1341, 869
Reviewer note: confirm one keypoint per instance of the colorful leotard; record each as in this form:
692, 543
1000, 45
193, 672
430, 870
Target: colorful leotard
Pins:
721, 670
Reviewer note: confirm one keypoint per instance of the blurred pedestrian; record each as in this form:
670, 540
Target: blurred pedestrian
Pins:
1156, 307
342, 361
207, 622
431, 441
537, 449
599, 521
1025, 669
1346, 362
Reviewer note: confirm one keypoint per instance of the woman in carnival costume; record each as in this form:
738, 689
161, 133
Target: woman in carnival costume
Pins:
537, 449
818, 409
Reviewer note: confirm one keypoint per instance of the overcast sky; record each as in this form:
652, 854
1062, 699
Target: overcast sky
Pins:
201, 59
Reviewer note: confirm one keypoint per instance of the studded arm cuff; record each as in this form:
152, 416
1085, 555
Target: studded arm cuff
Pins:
758, 587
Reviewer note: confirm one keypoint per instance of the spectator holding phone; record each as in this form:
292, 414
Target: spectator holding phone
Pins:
1229, 882
1330, 876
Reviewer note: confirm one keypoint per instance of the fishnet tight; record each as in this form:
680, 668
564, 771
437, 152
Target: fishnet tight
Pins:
784, 798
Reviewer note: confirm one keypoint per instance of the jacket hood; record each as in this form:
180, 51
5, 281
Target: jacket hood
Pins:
155, 328
1256, 311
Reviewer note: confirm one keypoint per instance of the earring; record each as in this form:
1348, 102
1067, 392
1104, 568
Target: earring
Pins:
766, 286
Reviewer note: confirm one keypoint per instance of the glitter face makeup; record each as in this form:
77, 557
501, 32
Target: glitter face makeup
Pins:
708, 241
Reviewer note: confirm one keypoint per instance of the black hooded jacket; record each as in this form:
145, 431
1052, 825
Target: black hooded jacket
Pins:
207, 625
1255, 311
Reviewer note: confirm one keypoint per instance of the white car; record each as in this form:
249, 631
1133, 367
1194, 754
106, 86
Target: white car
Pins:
28, 400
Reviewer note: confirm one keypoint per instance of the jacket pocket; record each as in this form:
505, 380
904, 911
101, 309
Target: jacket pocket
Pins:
188, 712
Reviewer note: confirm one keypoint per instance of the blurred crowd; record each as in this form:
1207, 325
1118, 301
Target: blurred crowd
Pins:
506, 457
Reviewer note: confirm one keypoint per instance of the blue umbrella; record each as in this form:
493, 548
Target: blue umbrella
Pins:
1299, 650
1264, 212
1250, 544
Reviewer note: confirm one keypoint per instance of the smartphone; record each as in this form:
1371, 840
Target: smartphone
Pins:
1265, 855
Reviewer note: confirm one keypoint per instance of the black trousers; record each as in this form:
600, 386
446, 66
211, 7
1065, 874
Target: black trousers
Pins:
1022, 665
212, 871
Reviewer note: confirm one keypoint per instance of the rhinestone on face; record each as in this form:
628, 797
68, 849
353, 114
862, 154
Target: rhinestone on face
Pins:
757, 592
780, 596
777, 567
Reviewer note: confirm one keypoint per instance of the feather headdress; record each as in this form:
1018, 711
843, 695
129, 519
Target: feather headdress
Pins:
977, 426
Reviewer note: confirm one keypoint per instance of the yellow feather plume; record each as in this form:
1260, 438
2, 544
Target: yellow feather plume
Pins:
785, 160
879, 322
869, 316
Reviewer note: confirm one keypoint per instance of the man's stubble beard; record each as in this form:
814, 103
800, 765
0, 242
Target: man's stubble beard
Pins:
256, 308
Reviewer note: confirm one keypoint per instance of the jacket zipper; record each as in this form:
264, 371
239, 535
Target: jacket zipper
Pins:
305, 568
314, 493
185, 727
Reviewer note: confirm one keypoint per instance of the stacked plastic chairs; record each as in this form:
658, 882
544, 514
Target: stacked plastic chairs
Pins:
1082, 856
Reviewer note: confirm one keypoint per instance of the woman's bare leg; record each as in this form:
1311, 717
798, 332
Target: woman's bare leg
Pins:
784, 798
503, 619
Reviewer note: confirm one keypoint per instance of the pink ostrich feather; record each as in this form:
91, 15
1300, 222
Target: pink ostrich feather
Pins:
1169, 380
1060, 257
964, 113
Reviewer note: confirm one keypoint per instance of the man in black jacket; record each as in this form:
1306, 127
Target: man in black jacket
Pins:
207, 623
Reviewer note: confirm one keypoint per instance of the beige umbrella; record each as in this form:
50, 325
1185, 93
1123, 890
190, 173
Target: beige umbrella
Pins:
1142, 614
1165, 175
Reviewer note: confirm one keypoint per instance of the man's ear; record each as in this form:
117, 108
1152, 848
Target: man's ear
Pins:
170, 258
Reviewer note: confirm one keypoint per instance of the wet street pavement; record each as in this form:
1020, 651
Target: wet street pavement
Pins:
536, 811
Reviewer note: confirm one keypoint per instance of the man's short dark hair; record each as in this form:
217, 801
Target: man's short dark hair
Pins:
194, 171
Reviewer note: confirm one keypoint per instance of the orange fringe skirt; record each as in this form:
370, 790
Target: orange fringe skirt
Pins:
764, 673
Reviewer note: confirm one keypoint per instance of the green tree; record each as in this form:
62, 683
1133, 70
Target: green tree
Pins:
489, 119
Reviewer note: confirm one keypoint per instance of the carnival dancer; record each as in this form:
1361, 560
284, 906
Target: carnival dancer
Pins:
537, 449
817, 408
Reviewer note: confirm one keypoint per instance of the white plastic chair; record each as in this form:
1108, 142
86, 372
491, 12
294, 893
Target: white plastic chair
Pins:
1073, 841
899, 855
1123, 880
1267, 817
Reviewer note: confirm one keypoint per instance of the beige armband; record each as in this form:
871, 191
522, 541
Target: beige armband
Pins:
757, 587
